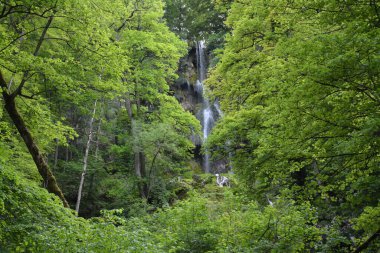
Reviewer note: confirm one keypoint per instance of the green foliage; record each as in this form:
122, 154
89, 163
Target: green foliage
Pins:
297, 82
369, 219
33, 220
193, 20
116, 52
368, 222
234, 224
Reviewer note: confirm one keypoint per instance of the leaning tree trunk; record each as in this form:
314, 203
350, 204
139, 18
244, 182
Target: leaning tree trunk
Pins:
43, 168
85, 158
11, 108
365, 245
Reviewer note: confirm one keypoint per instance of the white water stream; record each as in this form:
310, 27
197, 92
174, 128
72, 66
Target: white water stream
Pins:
207, 112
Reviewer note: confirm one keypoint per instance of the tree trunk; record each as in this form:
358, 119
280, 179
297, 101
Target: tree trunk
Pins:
140, 172
142, 164
137, 164
67, 152
139, 156
151, 173
43, 168
128, 106
56, 155
368, 242
97, 139
85, 158
10, 106
143, 184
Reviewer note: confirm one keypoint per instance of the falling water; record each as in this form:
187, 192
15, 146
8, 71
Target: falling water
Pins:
207, 112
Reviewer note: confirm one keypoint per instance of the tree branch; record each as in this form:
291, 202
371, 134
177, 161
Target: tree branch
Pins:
368, 242
126, 20
19, 37
34, 94
22, 9
35, 53
43, 35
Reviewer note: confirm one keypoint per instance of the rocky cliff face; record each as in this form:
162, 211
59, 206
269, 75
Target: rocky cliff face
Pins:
186, 93
188, 89
184, 88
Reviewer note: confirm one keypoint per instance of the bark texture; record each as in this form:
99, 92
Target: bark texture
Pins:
11, 108
85, 159
43, 168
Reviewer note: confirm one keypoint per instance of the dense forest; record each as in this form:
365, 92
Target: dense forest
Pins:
190, 126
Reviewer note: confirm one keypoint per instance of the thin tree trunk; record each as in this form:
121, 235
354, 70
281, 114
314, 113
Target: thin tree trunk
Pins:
56, 155
149, 179
142, 164
85, 158
67, 152
97, 139
128, 106
43, 168
140, 171
139, 156
143, 185
137, 164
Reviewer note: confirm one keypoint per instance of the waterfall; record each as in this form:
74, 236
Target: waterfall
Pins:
207, 116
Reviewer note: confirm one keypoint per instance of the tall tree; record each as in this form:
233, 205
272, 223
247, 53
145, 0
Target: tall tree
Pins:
154, 52
85, 158
195, 20
41, 52
298, 83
